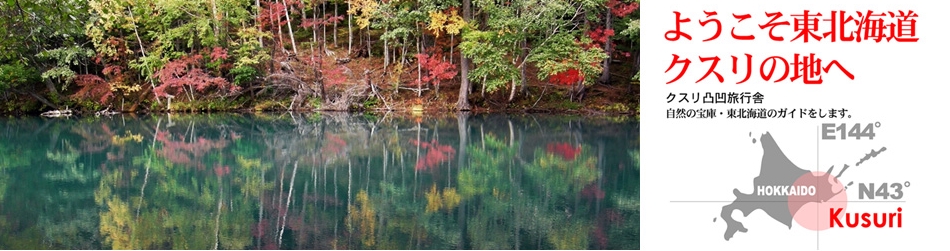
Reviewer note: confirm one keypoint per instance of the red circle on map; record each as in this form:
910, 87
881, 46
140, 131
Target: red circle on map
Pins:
811, 208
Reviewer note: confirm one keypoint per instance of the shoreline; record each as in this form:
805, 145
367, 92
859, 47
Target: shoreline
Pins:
584, 112
602, 103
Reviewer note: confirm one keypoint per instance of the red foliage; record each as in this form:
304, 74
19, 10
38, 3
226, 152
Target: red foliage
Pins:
270, 246
258, 230
435, 70
620, 9
600, 36
564, 150
328, 19
612, 216
93, 87
219, 53
568, 77
334, 74
187, 153
112, 70
435, 154
600, 237
186, 71
271, 12
592, 192
221, 170
333, 148
94, 141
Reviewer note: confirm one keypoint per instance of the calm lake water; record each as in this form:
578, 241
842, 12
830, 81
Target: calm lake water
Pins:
320, 181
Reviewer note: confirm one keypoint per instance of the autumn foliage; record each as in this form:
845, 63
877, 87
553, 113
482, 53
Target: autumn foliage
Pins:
187, 153
187, 72
328, 19
568, 77
435, 70
620, 9
93, 86
435, 154
564, 150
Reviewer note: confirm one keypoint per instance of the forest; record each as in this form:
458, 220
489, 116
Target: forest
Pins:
336, 55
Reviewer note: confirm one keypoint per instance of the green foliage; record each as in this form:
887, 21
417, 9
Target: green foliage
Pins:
316, 103
570, 105
485, 174
491, 59
61, 74
638, 112
15, 75
562, 52
615, 107
248, 53
633, 29
34, 26
570, 236
635, 157
370, 103
243, 74
67, 56
568, 176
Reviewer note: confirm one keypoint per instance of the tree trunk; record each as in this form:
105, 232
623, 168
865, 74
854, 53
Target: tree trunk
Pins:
523, 67
514, 86
336, 13
349, 30
419, 50
52, 88
260, 37
315, 62
369, 45
214, 18
280, 37
605, 76
142, 51
323, 12
385, 52
484, 84
290, 29
463, 145
464, 89
581, 92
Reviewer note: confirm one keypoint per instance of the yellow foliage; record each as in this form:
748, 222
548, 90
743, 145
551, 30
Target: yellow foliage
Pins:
118, 141
450, 198
455, 23
573, 236
434, 200
365, 8
437, 21
114, 224
248, 163
362, 216
394, 75
498, 194
127, 89
451, 23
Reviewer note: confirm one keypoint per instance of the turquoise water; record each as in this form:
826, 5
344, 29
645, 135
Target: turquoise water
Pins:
319, 181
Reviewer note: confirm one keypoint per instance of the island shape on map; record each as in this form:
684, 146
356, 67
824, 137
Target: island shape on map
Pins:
776, 170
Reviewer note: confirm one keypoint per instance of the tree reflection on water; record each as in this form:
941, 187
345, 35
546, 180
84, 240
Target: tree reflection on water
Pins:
319, 181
